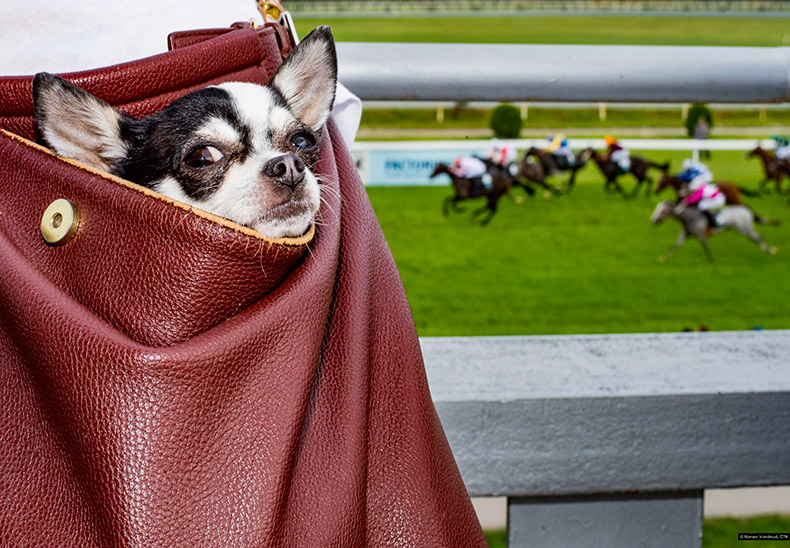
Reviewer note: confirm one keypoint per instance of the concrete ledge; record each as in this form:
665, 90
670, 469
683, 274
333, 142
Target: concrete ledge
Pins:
577, 415
578, 522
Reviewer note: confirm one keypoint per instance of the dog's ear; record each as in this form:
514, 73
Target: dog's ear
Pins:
308, 77
77, 125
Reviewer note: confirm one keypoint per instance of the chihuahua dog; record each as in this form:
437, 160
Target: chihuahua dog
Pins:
238, 150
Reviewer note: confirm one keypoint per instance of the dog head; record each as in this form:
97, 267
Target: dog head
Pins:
238, 150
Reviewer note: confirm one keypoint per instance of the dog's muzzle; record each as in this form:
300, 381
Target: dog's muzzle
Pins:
287, 170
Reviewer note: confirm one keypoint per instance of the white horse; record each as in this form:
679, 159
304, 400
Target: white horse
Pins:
695, 223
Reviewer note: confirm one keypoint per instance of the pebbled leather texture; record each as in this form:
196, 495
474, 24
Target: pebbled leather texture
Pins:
168, 379
155, 298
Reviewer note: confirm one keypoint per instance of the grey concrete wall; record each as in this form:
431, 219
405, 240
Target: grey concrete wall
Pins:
671, 520
556, 416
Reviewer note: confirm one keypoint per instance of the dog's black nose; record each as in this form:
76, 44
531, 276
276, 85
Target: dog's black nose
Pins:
287, 170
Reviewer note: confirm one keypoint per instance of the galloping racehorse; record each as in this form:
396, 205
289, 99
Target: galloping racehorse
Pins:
529, 170
638, 169
731, 191
773, 168
695, 223
510, 171
546, 165
464, 189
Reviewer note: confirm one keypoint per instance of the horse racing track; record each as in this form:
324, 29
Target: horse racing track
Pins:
586, 262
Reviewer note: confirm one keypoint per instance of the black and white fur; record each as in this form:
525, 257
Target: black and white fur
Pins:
238, 150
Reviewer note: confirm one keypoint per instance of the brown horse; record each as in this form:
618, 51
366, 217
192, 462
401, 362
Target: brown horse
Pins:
510, 171
639, 168
774, 168
532, 172
731, 191
465, 189
546, 165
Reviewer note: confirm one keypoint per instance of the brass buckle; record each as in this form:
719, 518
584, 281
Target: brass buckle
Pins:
270, 10
273, 11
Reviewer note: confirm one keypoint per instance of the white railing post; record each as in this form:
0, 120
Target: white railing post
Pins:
521, 73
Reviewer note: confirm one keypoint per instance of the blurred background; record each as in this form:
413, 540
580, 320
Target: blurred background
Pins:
581, 260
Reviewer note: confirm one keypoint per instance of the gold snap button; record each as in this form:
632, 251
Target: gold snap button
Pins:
60, 222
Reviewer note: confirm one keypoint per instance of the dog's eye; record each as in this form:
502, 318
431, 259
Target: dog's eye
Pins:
303, 141
203, 157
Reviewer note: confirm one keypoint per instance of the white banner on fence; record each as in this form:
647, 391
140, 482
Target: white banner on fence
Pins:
410, 163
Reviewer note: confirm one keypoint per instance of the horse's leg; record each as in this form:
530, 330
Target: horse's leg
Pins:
451, 203
481, 210
704, 241
754, 236
760, 220
648, 186
640, 180
528, 189
772, 174
636, 188
761, 185
547, 187
679, 242
448, 202
571, 182
619, 188
492, 205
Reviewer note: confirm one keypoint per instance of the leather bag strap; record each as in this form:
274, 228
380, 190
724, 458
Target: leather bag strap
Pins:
144, 86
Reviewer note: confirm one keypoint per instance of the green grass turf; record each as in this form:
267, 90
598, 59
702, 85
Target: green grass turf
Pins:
723, 533
582, 263
576, 118
496, 539
716, 533
616, 30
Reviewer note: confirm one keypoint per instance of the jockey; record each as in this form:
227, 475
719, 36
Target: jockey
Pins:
696, 174
502, 154
474, 169
564, 157
617, 153
782, 147
702, 192
709, 200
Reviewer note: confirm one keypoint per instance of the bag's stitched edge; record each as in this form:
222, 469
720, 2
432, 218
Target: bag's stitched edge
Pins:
237, 228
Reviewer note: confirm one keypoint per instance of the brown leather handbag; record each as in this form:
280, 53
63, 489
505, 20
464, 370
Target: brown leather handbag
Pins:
169, 378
